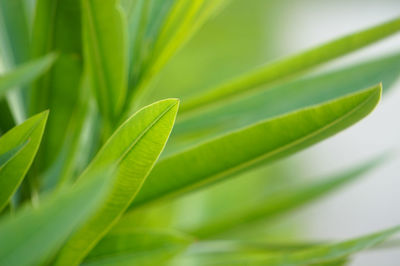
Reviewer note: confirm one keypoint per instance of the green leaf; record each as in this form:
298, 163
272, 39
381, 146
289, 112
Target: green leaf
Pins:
287, 67
6, 119
321, 254
27, 138
138, 247
180, 20
192, 129
57, 28
133, 148
24, 74
280, 201
105, 52
14, 49
7, 156
255, 145
14, 32
34, 234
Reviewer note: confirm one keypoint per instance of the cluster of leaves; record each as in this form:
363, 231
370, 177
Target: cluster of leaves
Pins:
91, 194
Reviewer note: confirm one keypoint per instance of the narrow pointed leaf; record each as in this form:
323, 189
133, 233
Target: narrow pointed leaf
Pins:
105, 51
28, 135
290, 66
138, 247
34, 234
180, 20
192, 129
323, 254
281, 201
14, 32
25, 73
255, 145
133, 149
56, 28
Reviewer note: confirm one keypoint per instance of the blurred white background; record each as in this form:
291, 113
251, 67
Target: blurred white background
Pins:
371, 204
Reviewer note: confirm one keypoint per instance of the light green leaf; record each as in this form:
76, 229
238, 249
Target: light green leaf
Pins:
56, 28
105, 51
138, 247
194, 128
24, 74
321, 254
34, 234
282, 200
29, 135
255, 145
287, 67
133, 148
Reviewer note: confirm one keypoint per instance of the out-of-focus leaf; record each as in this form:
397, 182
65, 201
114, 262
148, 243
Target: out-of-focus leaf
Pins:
24, 74
138, 247
14, 49
280, 201
27, 138
56, 28
181, 21
192, 129
14, 32
145, 18
34, 234
105, 51
317, 255
67, 163
133, 148
287, 67
255, 145
6, 118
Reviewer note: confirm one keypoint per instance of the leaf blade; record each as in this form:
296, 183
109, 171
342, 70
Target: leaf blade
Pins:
105, 51
29, 135
194, 128
138, 247
133, 149
287, 67
328, 253
25, 73
32, 243
218, 158
286, 198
